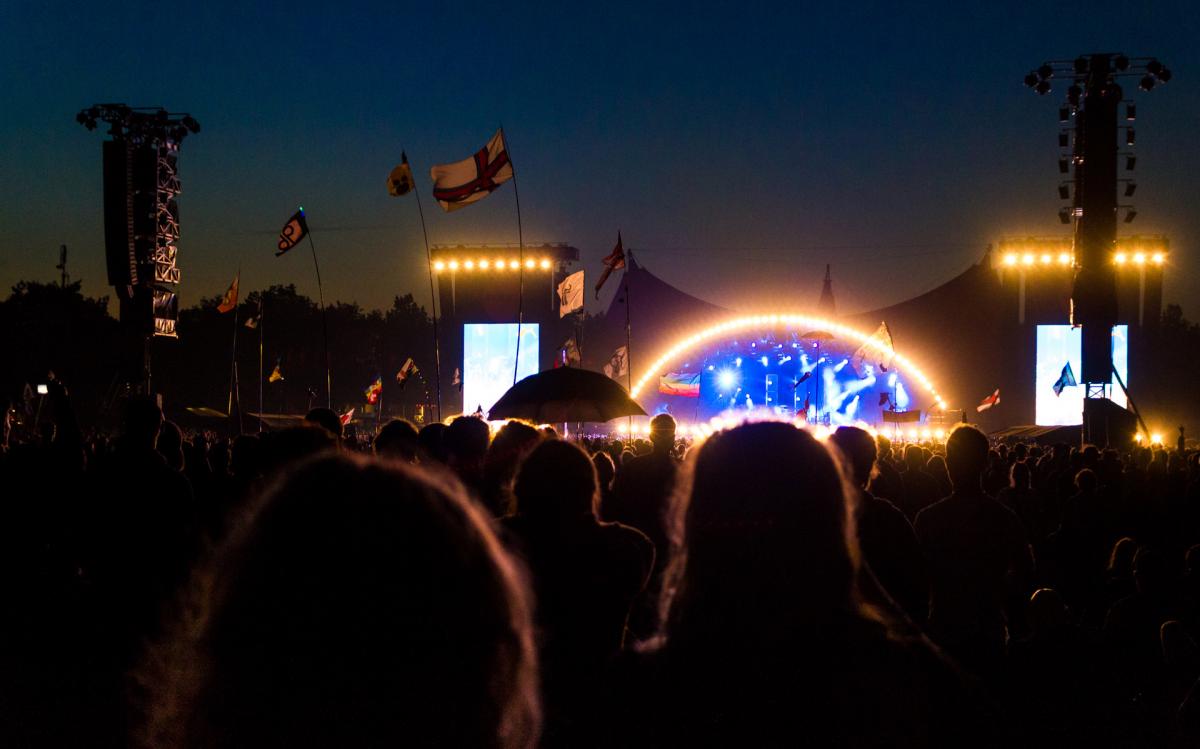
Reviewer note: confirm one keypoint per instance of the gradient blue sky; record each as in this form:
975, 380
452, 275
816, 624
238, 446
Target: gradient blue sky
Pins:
740, 147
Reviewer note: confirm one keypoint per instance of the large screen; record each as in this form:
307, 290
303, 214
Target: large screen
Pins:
1056, 346
489, 351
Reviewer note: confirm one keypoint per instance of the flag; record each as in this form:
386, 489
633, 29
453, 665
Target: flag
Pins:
568, 354
570, 294
419, 413
253, 321
230, 299
686, 384
618, 364
408, 369
457, 380
293, 231
400, 180
885, 399
373, 391
804, 377
877, 349
614, 261
989, 401
1065, 380
462, 183
347, 417
276, 375
901, 417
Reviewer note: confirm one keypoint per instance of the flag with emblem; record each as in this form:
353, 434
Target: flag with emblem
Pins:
293, 231
570, 294
462, 183
276, 374
408, 369
614, 261
618, 364
877, 349
400, 180
373, 390
230, 298
1065, 380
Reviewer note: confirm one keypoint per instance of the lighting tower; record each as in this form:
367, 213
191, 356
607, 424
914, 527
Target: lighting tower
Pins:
141, 224
1093, 98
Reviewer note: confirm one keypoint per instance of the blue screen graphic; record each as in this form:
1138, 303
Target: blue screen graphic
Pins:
1056, 346
489, 351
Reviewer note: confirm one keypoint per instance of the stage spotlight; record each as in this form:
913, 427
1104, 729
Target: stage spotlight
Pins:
1154, 67
1139, 258
726, 379
484, 264
1129, 217
1047, 258
514, 265
1028, 259
453, 265
1147, 83
1130, 188
1045, 71
1130, 136
1130, 162
1121, 258
1010, 259
1064, 165
764, 361
1064, 215
1164, 75
1158, 258
439, 266
1064, 139
1042, 88
1130, 112
544, 264
1121, 63
530, 264
1064, 258
1064, 191
1031, 80
1156, 439
469, 265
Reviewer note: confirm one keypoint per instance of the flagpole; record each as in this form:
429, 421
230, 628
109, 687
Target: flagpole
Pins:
324, 322
233, 355
521, 258
437, 351
628, 352
261, 321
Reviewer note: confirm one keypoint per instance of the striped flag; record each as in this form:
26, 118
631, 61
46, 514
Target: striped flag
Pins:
408, 369
462, 183
685, 384
989, 401
1065, 380
373, 390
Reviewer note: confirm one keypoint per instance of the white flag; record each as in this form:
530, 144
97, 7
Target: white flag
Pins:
878, 349
570, 294
618, 365
462, 183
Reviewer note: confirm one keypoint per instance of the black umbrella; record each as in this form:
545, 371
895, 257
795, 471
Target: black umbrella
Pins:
565, 394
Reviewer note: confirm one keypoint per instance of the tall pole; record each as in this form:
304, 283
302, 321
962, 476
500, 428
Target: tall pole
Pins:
233, 378
628, 352
521, 258
433, 312
261, 321
324, 323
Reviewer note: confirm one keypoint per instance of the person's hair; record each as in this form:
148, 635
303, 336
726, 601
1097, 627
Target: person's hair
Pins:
397, 439
287, 446
557, 480
1047, 612
1019, 476
170, 445
966, 457
325, 417
142, 420
767, 525
466, 439
606, 470
431, 440
859, 449
914, 459
662, 431
1085, 480
358, 604
512, 443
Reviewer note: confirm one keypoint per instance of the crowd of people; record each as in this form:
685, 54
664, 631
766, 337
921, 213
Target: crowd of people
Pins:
449, 586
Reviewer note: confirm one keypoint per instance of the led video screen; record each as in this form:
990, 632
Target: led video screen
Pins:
1058, 345
489, 351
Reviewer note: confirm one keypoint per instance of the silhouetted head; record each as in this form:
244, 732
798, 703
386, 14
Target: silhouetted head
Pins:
966, 458
245, 456
170, 445
859, 449
557, 481
466, 442
1019, 476
768, 547
605, 470
1120, 561
287, 446
1047, 612
1085, 481
359, 604
512, 443
397, 440
662, 432
914, 459
1178, 648
326, 418
431, 438
142, 422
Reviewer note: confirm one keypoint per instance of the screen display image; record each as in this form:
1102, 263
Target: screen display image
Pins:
1058, 345
489, 351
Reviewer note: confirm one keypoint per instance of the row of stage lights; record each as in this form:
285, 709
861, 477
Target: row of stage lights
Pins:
1066, 259
454, 266
700, 431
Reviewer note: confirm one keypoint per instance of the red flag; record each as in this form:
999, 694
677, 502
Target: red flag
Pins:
614, 261
346, 417
989, 401
230, 298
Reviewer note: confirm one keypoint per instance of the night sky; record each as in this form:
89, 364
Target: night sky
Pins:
738, 149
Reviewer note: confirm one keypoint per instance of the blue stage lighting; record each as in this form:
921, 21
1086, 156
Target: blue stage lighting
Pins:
892, 380
727, 378
841, 365
738, 361
764, 361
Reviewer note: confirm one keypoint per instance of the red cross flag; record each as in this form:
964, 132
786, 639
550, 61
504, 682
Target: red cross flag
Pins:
989, 401
462, 183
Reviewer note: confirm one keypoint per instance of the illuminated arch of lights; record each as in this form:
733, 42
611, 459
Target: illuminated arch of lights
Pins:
690, 342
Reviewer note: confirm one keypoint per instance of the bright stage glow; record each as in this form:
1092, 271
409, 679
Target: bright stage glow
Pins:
727, 379
439, 266
1064, 258
453, 265
1156, 439
1139, 258
1121, 258
469, 265
1159, 258
806, 322
1056, 346
1010, 258
483, 264
544, 264
488, 356
1028, 258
